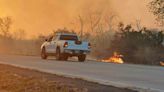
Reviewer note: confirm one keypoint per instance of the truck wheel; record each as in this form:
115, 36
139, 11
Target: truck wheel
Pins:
81, 58
65, 57
43, 54
58, 54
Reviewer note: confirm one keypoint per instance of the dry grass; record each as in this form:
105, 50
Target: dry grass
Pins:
10, 82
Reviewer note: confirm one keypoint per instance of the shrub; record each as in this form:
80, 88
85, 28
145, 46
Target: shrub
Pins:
143, 46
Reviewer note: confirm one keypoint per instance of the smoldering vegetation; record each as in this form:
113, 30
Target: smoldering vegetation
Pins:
142, 46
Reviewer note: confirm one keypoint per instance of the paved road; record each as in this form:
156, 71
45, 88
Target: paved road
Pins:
121, 75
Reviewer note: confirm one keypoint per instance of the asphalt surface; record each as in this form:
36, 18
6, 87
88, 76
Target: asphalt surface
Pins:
119, 75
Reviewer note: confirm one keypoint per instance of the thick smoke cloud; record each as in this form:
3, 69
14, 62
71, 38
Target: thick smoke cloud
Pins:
40, 16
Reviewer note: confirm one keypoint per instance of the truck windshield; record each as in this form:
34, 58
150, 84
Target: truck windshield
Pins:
68, 37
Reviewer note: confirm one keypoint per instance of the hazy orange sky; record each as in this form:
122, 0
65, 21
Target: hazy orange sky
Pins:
41, 16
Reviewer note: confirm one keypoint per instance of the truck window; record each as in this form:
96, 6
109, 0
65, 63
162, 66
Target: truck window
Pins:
68, 37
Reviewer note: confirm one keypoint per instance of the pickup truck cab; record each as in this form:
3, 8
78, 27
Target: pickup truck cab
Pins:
64, 45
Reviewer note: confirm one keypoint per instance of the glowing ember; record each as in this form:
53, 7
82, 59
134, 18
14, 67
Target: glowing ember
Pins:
162, 63
116, 58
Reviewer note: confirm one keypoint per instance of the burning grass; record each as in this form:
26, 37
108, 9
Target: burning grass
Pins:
162, 63
116, 58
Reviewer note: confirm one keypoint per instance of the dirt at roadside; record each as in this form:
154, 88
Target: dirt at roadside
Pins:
13, 79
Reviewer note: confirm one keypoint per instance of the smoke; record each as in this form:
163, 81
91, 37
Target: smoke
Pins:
132, 10
41, 16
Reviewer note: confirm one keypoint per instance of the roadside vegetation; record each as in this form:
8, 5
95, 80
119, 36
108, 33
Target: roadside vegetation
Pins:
142, 46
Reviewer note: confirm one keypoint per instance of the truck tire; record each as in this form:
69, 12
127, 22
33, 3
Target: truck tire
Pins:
64, 57
58, 54
43, 54
81, 58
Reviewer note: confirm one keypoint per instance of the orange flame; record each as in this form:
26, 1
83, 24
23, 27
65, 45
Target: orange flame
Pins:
162, 63
116, 58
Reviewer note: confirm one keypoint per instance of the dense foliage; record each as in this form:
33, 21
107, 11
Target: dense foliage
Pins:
157, 7
139, 46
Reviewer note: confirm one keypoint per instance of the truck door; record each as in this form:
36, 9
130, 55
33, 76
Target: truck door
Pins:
48, 45
53, 44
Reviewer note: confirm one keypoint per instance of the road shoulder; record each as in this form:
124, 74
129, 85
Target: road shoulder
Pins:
20, 80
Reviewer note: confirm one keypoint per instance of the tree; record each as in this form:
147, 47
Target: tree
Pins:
65, 30
82, 26
20, 34
109, 19
157, 8
138, 46
94, 20
5, 24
